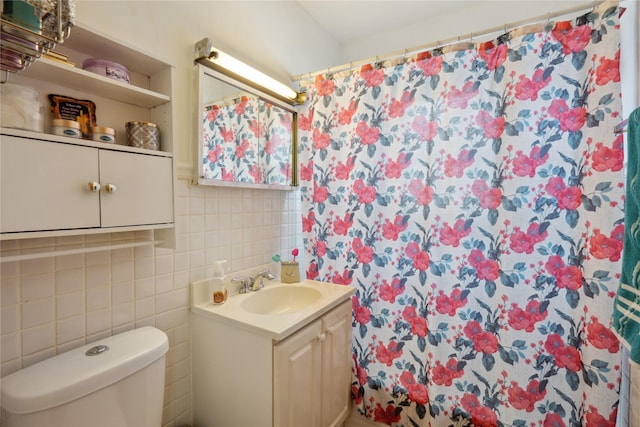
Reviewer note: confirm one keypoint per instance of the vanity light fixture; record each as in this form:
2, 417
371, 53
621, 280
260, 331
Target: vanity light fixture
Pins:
224, 63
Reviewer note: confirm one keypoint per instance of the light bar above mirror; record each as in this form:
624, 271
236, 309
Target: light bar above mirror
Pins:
208, 56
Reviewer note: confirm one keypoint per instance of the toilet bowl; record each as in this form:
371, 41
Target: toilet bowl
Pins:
115, 382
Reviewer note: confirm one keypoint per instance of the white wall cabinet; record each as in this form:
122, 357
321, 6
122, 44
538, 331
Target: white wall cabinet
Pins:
44, 176
312, 373
48, 186
243, 379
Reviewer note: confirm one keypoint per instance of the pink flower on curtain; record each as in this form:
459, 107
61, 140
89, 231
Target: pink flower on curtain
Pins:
526, 399
306, 171
605, 158
368, 135
605, 247
346, 114
569, 198
571, 119
394, 168
426, 130
341, 226
388, 415
569, 277
552, 419
445, 374
490, 198
323, 86
455, 167
387, 354
366, 193
595, 419
459, 98
430, 65
343, 170
573, 40
449, 304
389, 291
493, 55
391, 230
363, 253
529, 88
423, 193
372, 77
417, 392
492, 126
608, 70
320, 140
600, 336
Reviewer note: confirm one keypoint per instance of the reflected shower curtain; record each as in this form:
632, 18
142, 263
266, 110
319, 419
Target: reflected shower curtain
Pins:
474, 199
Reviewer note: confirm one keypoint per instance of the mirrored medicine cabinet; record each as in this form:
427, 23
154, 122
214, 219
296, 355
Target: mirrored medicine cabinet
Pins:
245, 138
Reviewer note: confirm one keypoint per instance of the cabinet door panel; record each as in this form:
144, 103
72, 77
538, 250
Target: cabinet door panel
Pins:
144, 189
296, 376
45, 185
336, 365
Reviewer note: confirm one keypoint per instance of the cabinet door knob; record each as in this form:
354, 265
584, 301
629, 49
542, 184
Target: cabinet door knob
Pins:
93, 186
332, 329
110, 188
322, 337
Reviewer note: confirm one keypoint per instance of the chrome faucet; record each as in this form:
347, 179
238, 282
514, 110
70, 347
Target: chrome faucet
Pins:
256, 282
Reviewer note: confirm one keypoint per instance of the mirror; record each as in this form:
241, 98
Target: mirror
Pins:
245, 138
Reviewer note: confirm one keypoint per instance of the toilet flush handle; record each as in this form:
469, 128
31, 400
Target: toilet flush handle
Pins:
97, 350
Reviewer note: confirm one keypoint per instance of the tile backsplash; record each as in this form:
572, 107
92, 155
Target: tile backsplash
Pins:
53, 304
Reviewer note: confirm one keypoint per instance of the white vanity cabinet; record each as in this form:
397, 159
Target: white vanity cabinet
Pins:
243, 378
312, 373
45, 177
60, 186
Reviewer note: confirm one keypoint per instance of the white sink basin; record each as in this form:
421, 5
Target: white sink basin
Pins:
280, 300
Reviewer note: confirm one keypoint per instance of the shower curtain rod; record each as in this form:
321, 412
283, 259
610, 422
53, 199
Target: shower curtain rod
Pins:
442, 43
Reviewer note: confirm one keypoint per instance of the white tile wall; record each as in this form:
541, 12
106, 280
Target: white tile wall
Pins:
54, 304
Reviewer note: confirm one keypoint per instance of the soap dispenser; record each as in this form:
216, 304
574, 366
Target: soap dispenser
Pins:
217, 289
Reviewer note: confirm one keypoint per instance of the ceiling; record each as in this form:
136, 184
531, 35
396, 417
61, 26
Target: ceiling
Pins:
357, 19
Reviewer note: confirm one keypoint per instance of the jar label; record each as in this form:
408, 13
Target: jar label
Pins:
71, 132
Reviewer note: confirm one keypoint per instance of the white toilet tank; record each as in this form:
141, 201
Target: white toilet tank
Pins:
120, 385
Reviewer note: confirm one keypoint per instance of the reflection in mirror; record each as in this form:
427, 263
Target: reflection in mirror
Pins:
244, 139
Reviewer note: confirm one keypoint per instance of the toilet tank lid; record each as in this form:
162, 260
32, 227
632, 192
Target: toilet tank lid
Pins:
73, 374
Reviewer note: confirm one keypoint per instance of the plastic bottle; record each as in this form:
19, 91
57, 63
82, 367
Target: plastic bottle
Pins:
217, 289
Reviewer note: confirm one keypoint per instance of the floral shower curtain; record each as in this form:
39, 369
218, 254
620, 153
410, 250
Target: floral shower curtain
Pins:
474, 199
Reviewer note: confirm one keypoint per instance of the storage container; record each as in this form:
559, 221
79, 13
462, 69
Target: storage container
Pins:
103, 134
143, 135
106, 68
64, 127
21, 108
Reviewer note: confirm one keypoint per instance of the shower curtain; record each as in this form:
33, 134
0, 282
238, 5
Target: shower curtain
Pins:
474, 199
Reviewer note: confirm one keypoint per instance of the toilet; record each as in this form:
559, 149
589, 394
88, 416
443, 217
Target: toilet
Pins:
114, 382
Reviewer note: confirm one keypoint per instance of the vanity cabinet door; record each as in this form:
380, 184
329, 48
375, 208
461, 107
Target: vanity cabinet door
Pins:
141, 189
45, 186
297, 379
336, 366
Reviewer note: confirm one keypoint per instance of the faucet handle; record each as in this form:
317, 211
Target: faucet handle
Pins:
244, 284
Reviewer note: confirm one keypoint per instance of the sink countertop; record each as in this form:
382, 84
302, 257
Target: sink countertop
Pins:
274, 326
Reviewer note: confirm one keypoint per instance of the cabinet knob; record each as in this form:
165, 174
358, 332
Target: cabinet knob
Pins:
93, 186
332, 329
110, 188
322, 337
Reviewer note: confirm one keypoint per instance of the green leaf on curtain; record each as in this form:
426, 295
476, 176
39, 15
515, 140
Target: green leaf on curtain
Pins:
573, 298
375, 92
578, 59
434, 81
490, 288
572, 218
574, 139
492, 216
366, 269
499, 74
573, 380
488, 361
496, 144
